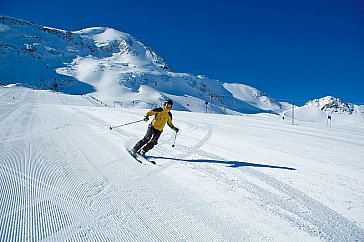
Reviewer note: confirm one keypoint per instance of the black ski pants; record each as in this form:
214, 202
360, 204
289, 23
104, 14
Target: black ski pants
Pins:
150, 139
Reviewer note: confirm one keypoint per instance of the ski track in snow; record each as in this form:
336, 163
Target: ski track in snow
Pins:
295, 206
66, 177
292, 205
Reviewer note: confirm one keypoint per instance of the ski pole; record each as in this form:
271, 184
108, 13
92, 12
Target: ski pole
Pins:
174, 141
126, 124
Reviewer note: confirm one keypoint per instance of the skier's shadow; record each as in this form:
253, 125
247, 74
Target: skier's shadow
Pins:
233, 164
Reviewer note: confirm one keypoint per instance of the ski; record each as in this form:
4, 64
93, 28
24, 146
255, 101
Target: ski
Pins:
135, 157
141, 159
150, 161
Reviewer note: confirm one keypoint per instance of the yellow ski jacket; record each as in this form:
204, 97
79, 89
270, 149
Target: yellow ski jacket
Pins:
162, 116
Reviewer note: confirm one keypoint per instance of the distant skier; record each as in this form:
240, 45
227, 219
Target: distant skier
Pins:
162, 115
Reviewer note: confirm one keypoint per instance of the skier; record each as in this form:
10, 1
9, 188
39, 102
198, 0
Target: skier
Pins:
162, 115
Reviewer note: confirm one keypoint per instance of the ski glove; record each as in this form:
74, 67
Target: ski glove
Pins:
176, 129
146, 118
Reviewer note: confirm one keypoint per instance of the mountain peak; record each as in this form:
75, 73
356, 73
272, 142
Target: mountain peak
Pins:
331, 104
116, 66
112, 65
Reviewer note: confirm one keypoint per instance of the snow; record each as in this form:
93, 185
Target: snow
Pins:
252, 96
65, 176
106, 62
3, 28
247, 176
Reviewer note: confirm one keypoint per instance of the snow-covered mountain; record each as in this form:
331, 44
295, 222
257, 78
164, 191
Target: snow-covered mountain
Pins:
113, 66
328, 109
117, 69
253, 96
66, 176
332, 104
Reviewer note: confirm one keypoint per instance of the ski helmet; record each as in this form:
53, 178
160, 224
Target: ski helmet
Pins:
169, 101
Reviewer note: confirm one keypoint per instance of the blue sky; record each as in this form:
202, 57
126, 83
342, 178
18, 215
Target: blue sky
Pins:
289, 49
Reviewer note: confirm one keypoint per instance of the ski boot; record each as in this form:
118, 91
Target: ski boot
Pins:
133, 152
142, 153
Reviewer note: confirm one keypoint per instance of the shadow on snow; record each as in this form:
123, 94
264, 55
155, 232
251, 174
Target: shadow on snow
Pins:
232, 164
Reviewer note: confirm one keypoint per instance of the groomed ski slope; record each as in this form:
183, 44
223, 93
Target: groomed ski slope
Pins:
65, 176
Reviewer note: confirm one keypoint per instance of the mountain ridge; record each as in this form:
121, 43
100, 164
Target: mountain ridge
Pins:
115, 66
